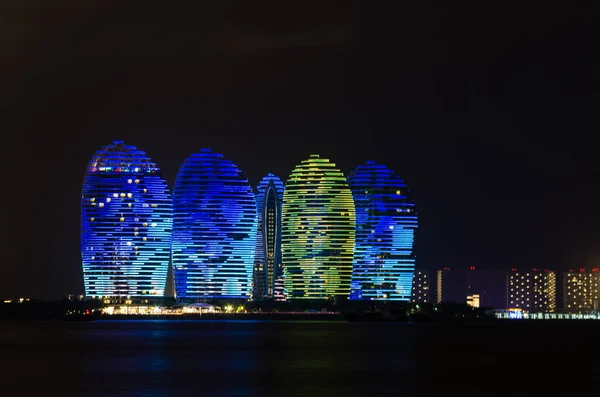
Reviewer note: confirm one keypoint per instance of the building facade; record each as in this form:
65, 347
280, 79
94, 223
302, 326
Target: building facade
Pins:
580, 291
214, 229
532, 290
474, 300
421, 287
126, 222
318, 230
267, 262
386, 220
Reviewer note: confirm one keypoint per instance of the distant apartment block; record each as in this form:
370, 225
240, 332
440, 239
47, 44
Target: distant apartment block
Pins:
580, 291
421, 287
532, 290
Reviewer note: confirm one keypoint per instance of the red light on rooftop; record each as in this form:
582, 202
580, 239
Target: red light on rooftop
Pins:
471, 267
446, 268
594, 270
581, 270
514, 269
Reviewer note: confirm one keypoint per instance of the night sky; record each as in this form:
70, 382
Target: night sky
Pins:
489, 112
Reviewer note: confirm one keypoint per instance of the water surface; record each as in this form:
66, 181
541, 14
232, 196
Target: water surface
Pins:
258, 358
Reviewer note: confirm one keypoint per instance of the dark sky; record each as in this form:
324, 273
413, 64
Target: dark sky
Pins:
488, 110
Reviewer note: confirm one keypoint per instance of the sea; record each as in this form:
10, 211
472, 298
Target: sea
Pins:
304, 358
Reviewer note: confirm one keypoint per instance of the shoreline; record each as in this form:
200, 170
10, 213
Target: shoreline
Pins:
228, 317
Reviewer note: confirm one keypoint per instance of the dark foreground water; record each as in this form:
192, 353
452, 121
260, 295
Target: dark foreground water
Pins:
297, 359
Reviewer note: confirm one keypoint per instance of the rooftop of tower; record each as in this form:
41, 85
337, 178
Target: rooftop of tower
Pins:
119, 157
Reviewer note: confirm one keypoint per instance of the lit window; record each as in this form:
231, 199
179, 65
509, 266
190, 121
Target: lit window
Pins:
115, 195
101, 205
122, 219
129, 181
108, 199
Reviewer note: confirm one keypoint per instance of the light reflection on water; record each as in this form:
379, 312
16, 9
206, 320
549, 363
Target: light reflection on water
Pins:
256, 358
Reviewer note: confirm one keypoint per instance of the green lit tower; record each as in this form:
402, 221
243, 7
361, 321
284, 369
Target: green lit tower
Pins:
317, 231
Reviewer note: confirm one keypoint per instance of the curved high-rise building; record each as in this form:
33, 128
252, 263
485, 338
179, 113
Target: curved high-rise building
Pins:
125, 224
267, 262
214, 229
386, 220
318, 226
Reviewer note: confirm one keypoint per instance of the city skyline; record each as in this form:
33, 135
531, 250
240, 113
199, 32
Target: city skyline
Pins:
228, 240
486, 116
126, 230
150, 167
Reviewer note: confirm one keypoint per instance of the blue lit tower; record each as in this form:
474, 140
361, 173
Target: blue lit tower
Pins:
267, 262
386, 220
317, 231
125, 224
214, 229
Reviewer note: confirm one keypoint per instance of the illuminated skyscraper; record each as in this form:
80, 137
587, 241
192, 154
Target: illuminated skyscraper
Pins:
386, 220
318, 228
214, 229
532, 290
421, 287
580, 291
125, 224
267, 262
